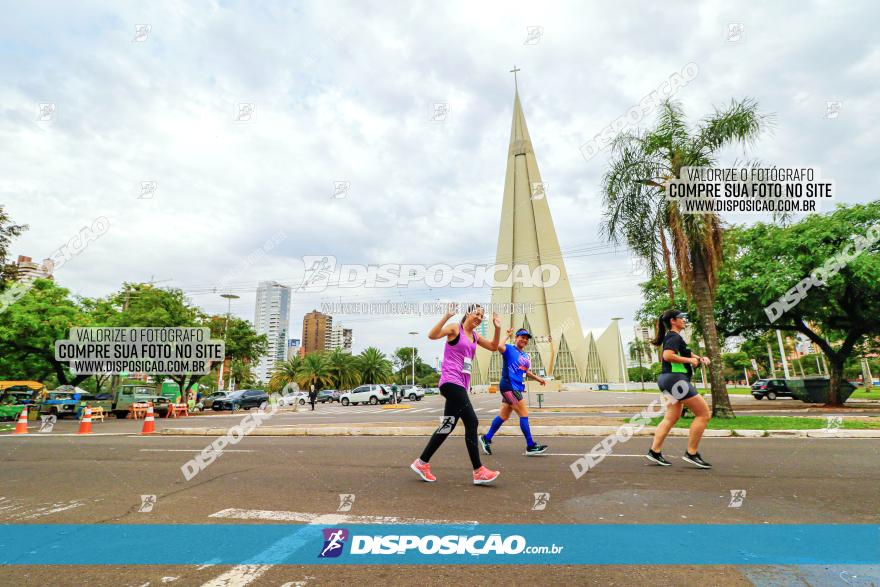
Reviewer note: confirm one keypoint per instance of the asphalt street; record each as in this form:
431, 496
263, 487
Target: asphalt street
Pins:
53, 479
572, 405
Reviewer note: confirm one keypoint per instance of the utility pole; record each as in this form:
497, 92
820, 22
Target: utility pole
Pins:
413, 358
782, 353
228, 297
772, 364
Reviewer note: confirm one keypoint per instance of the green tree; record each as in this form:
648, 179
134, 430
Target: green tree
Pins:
734, 363
242, 373
771, 260
374, 366
29, 329
343, 369
8, 231
637, 212
315, 370
145, 306
285, 373
639, 350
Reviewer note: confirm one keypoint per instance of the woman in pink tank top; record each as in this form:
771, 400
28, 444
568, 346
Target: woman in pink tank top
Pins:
455, 380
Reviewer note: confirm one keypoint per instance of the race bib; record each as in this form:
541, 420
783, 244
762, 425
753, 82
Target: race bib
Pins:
466, 366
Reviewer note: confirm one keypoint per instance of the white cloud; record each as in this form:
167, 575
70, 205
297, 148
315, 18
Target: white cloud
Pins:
344, 91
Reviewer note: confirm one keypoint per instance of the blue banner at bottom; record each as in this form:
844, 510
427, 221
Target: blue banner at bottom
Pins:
383, 544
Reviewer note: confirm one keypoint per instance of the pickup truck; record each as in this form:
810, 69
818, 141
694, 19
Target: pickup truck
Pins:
126, 395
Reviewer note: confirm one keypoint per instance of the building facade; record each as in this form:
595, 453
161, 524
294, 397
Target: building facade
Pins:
317, 331
272, 318
27, 270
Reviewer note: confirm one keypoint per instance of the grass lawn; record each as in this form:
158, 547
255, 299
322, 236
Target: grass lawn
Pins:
776, 423
651, 387
860, 393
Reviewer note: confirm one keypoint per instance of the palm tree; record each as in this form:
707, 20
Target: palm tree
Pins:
638, 213
638, 348
374, 366
242, 373
314, 371
344, 369
285, 373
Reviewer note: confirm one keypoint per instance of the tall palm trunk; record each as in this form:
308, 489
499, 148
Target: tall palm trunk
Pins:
721, 407
667, 265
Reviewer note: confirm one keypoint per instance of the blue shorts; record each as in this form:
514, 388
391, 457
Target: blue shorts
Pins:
678, 385
511, 397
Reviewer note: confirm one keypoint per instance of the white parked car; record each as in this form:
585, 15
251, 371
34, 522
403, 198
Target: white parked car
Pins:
366, 394
297, 397
412, 393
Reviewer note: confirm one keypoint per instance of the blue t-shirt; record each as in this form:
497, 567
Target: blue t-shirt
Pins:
516, 363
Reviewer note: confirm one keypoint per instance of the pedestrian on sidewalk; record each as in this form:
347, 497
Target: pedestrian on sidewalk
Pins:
313, 396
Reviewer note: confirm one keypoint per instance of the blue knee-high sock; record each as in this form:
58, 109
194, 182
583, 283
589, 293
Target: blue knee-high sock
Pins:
527, 432
496, 424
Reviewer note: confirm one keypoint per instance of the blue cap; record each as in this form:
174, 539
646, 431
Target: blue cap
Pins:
523, 332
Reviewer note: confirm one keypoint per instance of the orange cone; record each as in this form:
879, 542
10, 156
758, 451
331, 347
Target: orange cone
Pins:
85, 426
21, 425
149, 421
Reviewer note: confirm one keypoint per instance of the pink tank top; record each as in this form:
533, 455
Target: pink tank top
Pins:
458, 359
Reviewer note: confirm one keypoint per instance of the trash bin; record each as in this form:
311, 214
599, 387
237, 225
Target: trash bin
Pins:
33, 413
815, 389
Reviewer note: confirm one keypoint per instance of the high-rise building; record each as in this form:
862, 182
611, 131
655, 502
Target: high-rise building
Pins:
272, 318
317, 331
340, 338
294, 347
26, 270
645, 334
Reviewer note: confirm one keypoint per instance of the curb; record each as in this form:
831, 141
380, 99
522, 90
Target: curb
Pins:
538, 430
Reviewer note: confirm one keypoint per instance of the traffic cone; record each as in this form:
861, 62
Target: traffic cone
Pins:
149, 421
21, 425
85, 426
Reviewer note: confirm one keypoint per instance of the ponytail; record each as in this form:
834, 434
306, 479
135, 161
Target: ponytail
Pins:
659, 333
663, 325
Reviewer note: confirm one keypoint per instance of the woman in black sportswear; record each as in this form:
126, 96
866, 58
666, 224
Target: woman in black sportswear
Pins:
677, 367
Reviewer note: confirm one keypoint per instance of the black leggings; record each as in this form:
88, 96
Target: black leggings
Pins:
458, 406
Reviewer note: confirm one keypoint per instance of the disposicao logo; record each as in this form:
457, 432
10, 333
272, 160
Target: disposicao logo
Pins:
334, 541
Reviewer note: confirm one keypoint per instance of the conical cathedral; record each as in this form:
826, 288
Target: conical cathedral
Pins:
527, 237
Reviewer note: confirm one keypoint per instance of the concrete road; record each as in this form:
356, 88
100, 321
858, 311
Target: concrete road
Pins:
100, 479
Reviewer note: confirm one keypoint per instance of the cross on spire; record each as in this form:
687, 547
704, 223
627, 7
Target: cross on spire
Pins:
513, 71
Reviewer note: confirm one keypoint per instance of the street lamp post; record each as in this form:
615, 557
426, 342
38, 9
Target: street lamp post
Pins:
229, 297
413, 358
623, 372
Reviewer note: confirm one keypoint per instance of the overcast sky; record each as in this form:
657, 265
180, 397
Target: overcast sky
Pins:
345, 92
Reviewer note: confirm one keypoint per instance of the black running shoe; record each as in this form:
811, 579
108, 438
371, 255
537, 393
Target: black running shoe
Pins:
536, 449
696, 460
485, 444
657, 457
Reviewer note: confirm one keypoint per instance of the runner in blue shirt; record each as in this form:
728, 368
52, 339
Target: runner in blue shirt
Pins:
512, 385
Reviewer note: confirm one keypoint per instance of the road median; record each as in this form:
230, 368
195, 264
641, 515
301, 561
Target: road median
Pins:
543, 431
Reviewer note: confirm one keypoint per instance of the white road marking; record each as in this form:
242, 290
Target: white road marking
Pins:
38, 512
566, 454
327, 519
242, 575
189, 450
238, 576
